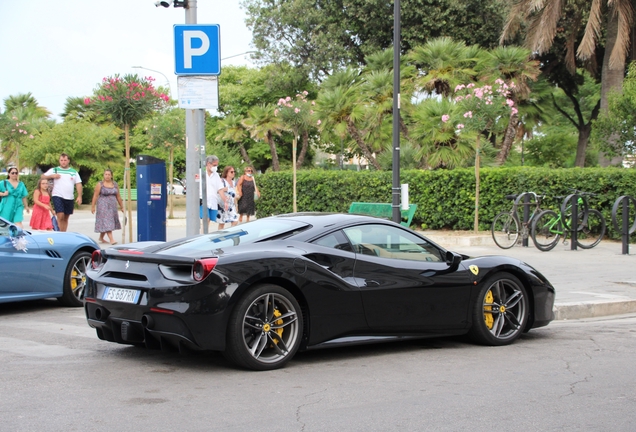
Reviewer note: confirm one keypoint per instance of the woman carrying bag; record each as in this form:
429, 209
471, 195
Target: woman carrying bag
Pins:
247, 192
14, 198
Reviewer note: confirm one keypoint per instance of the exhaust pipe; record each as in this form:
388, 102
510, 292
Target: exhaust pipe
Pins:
100, 314
147, 322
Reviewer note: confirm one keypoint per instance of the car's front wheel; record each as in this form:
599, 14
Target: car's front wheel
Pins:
265, 329
501, 311
75, 279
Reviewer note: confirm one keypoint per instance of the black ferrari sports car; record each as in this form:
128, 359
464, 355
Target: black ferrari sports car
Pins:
263, 290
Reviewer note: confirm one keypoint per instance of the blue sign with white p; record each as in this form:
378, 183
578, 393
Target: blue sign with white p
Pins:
197, 49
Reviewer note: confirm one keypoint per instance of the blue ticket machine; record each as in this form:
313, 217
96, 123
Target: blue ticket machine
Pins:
151, 198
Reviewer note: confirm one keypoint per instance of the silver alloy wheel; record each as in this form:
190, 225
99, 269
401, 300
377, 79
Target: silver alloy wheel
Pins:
270, 328
78, 276
505, 308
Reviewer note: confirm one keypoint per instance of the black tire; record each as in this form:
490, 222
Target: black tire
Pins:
501, 311
265, 329
75, 280
505, 230
592, 231
546, 230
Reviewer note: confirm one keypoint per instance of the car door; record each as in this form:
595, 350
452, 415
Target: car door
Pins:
406, 284
19, 270
337, 306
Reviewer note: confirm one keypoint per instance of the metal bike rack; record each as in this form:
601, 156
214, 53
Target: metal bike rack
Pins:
624, 201
526, 213
575, 217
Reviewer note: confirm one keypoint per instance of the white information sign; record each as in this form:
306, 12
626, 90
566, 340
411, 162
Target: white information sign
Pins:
198, 92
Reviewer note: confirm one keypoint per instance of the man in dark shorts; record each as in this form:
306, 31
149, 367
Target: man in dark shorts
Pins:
65, 179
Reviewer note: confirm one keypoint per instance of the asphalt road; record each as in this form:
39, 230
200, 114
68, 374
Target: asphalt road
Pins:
570, 376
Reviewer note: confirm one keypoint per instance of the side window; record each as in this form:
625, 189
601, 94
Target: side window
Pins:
391, 242
336, 240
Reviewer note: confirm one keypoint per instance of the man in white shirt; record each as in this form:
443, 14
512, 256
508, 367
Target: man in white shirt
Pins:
65, 180
213, 184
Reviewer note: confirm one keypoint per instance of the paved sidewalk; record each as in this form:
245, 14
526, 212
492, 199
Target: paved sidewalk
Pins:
589, 283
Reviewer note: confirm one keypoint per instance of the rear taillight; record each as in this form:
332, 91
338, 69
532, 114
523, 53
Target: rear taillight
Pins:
97, 259
202, 268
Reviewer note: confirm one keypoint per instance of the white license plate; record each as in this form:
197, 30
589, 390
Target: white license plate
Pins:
121, 295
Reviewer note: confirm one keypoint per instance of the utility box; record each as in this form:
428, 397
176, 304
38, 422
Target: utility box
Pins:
151, 198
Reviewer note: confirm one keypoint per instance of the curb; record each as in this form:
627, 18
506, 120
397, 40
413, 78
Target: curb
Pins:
567, 311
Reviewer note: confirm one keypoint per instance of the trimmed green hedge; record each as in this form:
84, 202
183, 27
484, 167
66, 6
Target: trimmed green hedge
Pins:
445, 198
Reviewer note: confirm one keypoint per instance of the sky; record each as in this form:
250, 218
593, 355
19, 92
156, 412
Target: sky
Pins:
56, 49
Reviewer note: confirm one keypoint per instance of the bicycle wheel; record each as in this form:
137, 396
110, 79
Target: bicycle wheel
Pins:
592, 232
546, 230
505, 230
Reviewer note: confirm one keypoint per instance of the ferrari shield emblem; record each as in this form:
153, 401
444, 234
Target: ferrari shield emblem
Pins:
474, 269
50, 241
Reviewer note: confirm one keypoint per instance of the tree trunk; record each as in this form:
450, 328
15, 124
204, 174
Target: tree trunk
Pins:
294, 149
127, 172
244, 154
272, 147
477, 162
353, 131
303, 149
509, 136
611, 77
581, 146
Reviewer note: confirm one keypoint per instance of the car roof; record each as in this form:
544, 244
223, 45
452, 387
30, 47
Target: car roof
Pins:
331, 220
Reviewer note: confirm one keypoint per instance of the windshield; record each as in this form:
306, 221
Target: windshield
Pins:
246, 233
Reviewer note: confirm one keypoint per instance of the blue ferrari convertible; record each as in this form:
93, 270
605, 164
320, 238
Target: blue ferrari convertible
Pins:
43, 264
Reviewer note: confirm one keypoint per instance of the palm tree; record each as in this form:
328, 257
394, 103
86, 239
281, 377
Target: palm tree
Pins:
341, 109
262, 124
543, 20
27, 102
233, 130
446, 63
440, 146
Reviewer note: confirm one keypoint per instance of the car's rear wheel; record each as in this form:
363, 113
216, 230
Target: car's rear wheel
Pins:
75, 279
501, 311
265, 329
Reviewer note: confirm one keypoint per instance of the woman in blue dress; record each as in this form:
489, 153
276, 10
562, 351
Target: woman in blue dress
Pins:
14, 198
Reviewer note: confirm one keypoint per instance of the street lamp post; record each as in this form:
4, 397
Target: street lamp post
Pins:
160, 73
397, 215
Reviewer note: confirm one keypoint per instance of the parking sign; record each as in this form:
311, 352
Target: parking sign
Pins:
197, 49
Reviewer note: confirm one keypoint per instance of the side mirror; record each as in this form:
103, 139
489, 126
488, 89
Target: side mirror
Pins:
14, 231
453, 259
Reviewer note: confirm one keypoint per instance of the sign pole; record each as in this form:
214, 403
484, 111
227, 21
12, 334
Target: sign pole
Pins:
195, 124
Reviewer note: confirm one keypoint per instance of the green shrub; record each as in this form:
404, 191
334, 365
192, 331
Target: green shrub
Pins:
445, 198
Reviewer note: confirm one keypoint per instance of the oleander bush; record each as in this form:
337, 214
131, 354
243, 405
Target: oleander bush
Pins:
445, 198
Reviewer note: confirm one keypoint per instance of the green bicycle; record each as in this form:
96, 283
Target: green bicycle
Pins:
549, 226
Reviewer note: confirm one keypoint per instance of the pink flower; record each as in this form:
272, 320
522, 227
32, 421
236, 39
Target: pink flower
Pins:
514, 111
296, 110
275, 112
318, 122
460, 126
313, 102
468, 114
287, 98
445, 118
460, 87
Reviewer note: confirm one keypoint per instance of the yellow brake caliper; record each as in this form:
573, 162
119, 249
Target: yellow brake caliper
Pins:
278, 322
488, 316
74, 280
